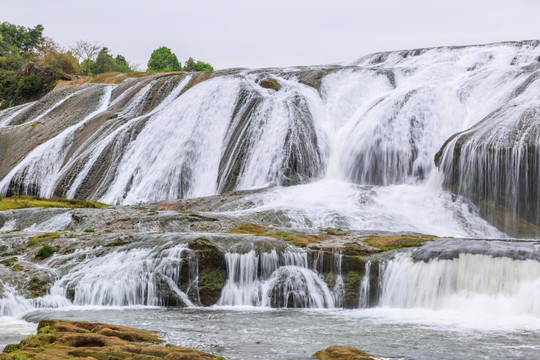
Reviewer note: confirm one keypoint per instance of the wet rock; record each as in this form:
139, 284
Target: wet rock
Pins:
341, 352
270, 84
58, 339
212, 270
39, 284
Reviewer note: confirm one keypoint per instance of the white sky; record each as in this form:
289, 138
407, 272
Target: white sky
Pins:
255, 33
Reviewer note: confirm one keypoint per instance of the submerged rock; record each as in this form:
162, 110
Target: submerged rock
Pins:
57, 339
341, 352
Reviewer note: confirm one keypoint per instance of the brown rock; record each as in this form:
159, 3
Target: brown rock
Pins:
341, 352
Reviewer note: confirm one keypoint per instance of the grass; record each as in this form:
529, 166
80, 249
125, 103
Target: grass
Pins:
23, 202
45, 251
258, 230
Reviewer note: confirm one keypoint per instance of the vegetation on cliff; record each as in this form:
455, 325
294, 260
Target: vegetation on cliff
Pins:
31, 64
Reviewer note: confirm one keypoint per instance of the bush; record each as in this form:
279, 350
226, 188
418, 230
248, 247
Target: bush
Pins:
163, 60
45, 251
29, 85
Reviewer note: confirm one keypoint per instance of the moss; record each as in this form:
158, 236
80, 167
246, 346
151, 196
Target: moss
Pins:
69, 340
211, 270
352, 281
258, 230
249, 228
17, 267
329, 70
38, 286
9, 261
392, 242
11, 348
40, 239
340, 352
33, 126
22, 202
89, 230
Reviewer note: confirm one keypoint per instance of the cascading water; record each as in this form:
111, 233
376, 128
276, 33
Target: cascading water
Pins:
378, 121
133, 277
268, 279
468, 283
365, 287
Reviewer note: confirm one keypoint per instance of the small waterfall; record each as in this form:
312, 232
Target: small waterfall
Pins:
467, 283
12, 304
365, 287
269, 279
134, 277
339, 287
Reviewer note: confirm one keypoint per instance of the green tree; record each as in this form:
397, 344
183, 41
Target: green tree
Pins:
192, 65
19, 38
189, 65
104, 62
163, 60
121, 64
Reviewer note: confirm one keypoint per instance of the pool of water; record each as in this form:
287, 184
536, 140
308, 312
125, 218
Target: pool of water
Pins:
249, 333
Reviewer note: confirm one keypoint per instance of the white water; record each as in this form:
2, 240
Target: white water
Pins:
7, 115
128, 278
269, 279
469, 284
365, 287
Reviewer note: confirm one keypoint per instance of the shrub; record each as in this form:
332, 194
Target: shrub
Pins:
45, 251
29, 85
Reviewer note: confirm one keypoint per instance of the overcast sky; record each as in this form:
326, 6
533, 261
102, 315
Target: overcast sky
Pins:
255, 33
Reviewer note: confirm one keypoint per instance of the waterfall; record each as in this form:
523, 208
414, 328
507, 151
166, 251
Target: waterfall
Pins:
377, 122
365, 287
467, 283
271, 280
134, 277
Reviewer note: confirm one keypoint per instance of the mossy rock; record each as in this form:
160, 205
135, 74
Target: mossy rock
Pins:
352, 281
341, 352
39, 285
392, 242
212, 270
56, 339
269, 83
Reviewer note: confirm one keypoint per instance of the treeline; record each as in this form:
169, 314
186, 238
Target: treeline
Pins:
31, 64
